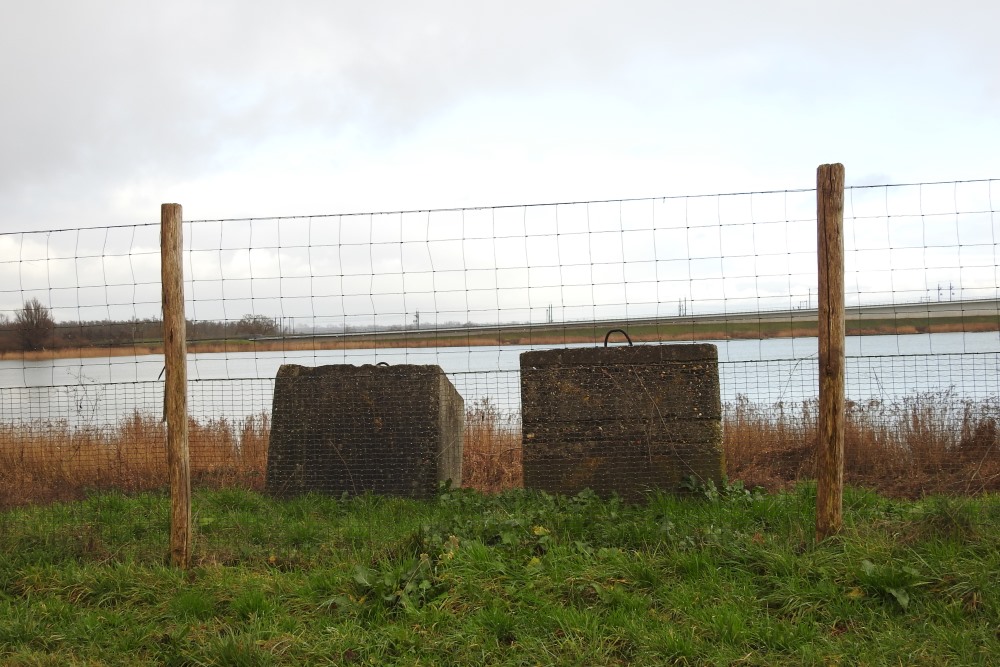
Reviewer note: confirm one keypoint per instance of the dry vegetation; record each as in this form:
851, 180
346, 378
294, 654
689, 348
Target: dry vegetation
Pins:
491, 457
41, 462
931, 443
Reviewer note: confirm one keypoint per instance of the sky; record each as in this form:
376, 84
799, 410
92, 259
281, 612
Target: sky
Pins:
253, 109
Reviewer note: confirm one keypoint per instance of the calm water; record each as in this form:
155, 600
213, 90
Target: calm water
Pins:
102, 390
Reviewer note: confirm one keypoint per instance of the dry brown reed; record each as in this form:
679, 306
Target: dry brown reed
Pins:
491, 455
929, 443
45, 462
228, 453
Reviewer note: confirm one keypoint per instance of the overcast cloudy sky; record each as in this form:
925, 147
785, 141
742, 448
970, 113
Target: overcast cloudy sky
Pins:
253, 108
250, 109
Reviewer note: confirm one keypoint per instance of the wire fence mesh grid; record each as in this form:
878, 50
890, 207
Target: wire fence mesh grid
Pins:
471, 290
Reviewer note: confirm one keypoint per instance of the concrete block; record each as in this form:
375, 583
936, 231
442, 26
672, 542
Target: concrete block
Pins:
622, 420
393, 430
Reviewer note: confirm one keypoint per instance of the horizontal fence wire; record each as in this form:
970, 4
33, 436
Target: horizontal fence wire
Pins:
472, 290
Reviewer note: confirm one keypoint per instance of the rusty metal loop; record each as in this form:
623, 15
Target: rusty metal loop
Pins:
382, 363
622, 332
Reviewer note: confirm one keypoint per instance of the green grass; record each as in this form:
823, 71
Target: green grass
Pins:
523, 578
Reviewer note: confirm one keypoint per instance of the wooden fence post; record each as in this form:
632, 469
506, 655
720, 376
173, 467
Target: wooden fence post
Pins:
175, 389
830, 443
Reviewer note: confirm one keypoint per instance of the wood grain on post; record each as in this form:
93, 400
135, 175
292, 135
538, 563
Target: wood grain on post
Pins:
830, 443
175, 390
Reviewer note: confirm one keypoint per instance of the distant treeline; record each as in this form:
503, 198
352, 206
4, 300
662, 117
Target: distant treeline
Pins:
116, 333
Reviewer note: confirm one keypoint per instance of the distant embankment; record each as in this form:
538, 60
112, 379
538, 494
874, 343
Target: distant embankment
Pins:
909, 318
936, 317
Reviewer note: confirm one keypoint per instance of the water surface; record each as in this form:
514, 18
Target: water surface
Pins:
232, 385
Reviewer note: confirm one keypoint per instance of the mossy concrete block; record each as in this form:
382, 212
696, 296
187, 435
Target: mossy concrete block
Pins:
622, 420
392, 430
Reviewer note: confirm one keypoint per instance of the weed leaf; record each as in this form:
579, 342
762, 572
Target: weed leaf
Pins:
902, 597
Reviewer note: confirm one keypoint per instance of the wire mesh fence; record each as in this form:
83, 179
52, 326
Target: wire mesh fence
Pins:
470, 291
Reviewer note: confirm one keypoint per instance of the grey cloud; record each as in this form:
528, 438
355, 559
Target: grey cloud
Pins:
100, 93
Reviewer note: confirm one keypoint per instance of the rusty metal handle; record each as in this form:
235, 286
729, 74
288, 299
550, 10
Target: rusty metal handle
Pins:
622, 332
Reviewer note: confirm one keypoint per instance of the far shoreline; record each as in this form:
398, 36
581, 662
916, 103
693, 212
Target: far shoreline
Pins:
570, 333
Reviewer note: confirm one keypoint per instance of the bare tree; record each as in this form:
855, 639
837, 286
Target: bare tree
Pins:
6, 333
33, 325
257, 325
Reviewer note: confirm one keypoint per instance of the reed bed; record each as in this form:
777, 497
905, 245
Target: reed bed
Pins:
929, 443
491, 456
44, 462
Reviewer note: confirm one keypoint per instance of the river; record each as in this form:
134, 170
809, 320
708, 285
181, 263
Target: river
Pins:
232, 385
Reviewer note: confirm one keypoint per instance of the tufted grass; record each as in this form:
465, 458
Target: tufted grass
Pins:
721, 576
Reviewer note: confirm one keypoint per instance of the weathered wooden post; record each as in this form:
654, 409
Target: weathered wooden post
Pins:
175, 386
830, 443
